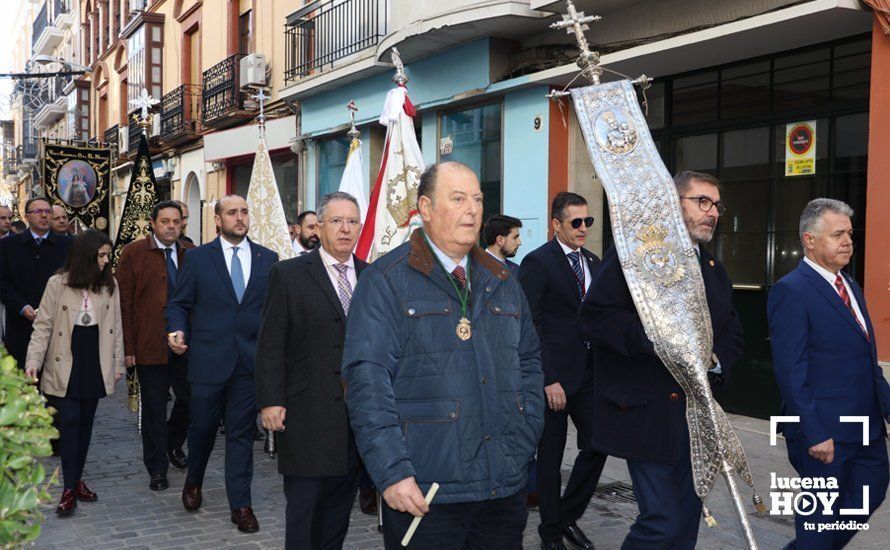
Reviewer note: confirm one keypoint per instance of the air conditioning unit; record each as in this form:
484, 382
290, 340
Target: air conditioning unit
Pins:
253, 70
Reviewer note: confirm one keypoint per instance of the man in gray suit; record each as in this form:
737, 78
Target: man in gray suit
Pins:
299, 392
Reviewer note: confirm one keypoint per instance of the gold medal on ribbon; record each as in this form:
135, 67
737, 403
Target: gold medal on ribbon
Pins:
464, 329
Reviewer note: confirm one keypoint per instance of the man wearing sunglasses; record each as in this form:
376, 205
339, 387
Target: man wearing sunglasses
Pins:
640, 409
27, 261
555, 278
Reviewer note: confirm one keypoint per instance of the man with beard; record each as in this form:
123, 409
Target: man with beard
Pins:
59, 223
215, 314
185, 222
639, 407
501, 236
306, 231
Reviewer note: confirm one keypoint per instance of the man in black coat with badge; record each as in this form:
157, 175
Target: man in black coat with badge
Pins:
299, 392
27, 261
640, 409
555, 278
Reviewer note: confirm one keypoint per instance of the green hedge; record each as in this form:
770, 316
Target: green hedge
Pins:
26, 427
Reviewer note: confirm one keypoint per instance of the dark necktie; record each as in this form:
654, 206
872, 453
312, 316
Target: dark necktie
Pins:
842, 291
39, 241
575, 260
460, 275
171, 272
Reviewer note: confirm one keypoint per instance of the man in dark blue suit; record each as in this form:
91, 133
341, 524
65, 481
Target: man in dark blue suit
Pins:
501, 236
640, 409
216, 308
555, 278
826, 365
27, 261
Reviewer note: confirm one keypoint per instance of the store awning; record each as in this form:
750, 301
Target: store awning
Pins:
243, 140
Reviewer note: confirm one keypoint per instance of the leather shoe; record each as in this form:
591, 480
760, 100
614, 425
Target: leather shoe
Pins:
158, 482
245, 520
575, 537
367, 500
67, 503
531, 500
83, 493
178, 458
191, 497
553, 545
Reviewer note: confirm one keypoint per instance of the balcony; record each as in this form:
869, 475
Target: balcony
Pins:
45, 33
222, 102
112, 135
322, 33
54, 103
27, 152
181, 115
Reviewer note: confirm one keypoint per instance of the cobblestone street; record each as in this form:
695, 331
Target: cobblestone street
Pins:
129, 515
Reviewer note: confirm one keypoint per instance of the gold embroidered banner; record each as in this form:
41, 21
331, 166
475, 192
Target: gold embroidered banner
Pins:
79, 180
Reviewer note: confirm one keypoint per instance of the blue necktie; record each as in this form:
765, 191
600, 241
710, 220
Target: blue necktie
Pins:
171, 272
575, 259
237, 275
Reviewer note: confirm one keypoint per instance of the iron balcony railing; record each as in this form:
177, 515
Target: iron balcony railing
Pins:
134, 130
323, 32
181, 111
111, 138
40, 23
221, 94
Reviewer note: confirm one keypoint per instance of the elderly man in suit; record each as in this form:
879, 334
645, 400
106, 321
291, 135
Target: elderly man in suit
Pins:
27, 261
215, 314
146, 275
555, 278
299, 392
826, 365
639, 407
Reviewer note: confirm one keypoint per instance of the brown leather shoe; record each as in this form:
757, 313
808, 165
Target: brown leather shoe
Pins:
191, 497
246, 521
367, 500
67, 503
83, 493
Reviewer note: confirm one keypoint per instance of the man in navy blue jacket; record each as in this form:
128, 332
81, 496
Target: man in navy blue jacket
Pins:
826, 365
215, 314
443, 377
640, 409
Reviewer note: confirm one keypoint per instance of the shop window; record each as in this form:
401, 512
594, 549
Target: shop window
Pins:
744, 90
332, 155
285, 169
698, 153
851, 71
802, 80
475, 137
695, 98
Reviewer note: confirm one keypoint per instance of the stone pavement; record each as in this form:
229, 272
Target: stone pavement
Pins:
129, 515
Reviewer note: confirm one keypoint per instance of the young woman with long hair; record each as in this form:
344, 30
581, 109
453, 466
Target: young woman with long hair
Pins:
78, 344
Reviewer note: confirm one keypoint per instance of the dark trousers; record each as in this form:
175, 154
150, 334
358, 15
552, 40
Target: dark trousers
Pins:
234, 400
318, 509
557, 511
75, 417
160, 435
854, 466
496, 524
670, 511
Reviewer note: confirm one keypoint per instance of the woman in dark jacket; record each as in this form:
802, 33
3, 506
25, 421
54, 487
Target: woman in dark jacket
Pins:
78, 344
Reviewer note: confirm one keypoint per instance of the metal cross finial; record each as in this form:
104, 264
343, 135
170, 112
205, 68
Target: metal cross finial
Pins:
575, 22
144, 102
353, 132
400, 77
261, 98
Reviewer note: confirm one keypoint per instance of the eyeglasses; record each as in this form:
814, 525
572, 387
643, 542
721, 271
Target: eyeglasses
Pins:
39, 211
352, 222
576, 223
706, 203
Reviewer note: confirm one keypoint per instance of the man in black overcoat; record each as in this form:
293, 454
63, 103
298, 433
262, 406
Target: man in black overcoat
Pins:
299, 392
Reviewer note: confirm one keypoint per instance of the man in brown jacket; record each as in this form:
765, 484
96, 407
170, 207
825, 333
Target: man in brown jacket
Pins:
146, 275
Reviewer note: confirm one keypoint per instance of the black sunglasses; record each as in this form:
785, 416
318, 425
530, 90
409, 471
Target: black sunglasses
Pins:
576, 223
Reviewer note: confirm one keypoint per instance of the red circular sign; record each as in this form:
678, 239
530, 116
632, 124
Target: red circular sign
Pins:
800, 139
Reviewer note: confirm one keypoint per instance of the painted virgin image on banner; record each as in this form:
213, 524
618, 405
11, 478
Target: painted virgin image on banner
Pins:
77, 183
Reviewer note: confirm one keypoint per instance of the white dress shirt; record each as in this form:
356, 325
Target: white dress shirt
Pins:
298, 248
243, 255
566, 250
831, 277
447, 262
175, 257
334, 275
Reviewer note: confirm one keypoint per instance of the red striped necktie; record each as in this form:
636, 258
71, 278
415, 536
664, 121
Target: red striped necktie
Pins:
842, 290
